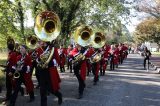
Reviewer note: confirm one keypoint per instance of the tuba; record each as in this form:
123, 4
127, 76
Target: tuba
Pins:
98, 41
96, 58
47, 28
16, 75
78, 58
82, 36
32, 42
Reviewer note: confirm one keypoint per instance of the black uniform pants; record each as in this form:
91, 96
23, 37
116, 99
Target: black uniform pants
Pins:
81, 82
36, 70
8, 86
146, 60
45, 86
112, 62
17, 88
69, 65
94, 67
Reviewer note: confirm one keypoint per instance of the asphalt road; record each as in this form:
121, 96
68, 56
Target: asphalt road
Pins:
128, 85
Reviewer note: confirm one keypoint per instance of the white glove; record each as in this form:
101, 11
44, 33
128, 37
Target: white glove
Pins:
28, 69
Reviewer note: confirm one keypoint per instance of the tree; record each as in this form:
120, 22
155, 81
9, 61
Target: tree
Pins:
102, 15
99, 14
150, 7
149, 30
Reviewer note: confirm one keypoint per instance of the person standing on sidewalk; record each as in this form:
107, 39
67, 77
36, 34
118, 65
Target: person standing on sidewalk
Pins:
146, 55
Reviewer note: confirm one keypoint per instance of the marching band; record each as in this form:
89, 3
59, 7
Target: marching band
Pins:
89, 54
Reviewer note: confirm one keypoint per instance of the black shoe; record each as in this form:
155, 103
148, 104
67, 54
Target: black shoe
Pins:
10, 104
22, 91
84, 85
60, 100
30, 100
4, 102
37, 87
95, 83
80, 96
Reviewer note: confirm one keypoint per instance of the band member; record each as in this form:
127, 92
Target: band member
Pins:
104, 59
10, 62
89, 68
23, 65
69, 59
116, 56
34, 54
62, 56
49, 77
79, 67
125, 50
95, 66
111, 57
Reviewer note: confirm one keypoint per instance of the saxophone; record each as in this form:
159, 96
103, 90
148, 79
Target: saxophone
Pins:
19, 66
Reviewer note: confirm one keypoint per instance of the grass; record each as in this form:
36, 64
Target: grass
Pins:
156, 53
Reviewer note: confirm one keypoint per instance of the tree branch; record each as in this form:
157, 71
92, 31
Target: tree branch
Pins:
46, 4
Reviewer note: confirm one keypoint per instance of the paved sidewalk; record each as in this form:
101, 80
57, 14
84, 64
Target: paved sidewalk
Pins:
128, 85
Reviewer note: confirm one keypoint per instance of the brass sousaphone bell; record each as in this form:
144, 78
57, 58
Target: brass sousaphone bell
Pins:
98, 40
47, 26
16, 75
83, 35
32, 42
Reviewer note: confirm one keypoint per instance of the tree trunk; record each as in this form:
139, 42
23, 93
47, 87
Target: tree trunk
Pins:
158, 49
21, 19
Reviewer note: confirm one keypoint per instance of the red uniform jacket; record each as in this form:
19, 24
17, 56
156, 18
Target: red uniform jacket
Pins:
84, 64
27, 76
11, 60
54, 75
116, 56
62, 56
97, 64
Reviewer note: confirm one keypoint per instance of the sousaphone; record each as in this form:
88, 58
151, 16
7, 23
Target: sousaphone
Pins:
47, 28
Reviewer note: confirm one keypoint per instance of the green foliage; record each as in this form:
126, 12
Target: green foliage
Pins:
148, 30
102, 15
